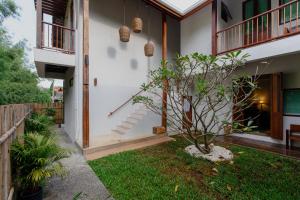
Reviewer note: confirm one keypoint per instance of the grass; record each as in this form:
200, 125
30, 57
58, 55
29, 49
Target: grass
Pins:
167, 172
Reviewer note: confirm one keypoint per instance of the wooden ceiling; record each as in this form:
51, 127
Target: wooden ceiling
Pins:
58, 8
54, 7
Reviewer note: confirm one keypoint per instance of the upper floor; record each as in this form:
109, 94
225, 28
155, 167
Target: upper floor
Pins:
55, 37
262, 28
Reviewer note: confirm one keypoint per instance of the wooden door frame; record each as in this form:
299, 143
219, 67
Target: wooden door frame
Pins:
279, 109
255, 7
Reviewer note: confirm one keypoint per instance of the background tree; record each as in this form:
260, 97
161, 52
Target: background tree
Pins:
18, 84
219, 95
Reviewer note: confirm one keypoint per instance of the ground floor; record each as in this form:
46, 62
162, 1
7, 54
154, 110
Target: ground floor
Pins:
114, 119
276, 100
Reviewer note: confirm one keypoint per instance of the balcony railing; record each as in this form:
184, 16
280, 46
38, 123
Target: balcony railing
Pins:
57, 38
277, 23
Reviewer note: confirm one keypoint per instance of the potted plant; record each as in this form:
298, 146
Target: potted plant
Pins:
36, 159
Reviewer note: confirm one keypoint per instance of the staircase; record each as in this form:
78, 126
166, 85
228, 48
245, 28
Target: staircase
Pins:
131, 120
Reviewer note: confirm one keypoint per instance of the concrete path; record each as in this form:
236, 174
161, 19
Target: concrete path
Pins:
80, 179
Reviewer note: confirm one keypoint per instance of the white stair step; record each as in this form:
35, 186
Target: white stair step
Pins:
135, 117
117, 131
129, 123
123, 127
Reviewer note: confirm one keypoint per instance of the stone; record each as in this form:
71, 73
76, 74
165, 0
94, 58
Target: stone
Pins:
217, 153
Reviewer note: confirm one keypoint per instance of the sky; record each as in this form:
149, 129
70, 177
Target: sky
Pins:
24, 27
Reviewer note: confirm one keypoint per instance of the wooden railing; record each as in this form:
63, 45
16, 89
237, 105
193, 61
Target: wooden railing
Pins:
277, 23
58, 38
12, 122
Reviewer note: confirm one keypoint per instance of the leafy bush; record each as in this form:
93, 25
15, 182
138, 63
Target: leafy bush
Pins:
38, 123
36, 159
50, 112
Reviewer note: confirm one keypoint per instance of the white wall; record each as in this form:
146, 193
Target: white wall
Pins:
120, 68
69, 105
196, 32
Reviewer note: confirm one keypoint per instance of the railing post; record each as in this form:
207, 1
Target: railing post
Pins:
39, 16
214, 47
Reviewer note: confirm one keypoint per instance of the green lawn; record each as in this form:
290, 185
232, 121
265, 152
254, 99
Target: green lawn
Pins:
167, 172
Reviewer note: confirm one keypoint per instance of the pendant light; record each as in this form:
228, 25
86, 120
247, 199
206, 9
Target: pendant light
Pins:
149, 46
124, 31
137, 22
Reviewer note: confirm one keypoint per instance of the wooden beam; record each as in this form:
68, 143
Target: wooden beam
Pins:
39, 18
198, 8
165, 9
164, 58
214, 46
85, 106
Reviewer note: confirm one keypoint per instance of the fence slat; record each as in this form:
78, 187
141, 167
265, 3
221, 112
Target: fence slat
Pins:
11, 125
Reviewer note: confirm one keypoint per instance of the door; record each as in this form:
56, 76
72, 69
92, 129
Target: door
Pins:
256, 29
187, 119
277, 107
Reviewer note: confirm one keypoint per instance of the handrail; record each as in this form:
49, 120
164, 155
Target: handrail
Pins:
256, 16
267, 26
57, 38
126, 102
60, 26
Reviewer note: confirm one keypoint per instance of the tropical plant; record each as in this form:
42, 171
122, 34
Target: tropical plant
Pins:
38, 123
50, 112
210, 86
35, 160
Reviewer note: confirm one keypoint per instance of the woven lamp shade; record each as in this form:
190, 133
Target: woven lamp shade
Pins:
149, 49
124, 32
137, 25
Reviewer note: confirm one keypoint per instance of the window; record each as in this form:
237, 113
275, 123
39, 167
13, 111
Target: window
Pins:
289, 13
291, 99
225, 13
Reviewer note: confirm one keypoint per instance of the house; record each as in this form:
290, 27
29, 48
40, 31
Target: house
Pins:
78, 41
57, 94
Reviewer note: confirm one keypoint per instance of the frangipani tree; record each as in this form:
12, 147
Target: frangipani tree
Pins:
208, 85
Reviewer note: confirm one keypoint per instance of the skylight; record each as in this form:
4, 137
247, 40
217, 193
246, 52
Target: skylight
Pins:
182, 6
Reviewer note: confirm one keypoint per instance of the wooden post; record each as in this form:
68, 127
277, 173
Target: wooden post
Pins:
164, 58
214, 45
39, 16
85, 107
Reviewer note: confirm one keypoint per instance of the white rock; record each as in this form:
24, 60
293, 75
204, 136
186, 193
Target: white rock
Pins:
217, 153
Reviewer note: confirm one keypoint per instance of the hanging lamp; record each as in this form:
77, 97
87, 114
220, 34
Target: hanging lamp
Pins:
124, 31
137, 22
149, 46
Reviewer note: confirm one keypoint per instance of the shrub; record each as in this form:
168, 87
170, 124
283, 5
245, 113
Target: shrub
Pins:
38, 123
36, 159
50, 112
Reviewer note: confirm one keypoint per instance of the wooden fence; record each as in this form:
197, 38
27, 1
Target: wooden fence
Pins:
12, 122
58, 107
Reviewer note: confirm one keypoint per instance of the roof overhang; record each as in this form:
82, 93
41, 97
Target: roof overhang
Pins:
55, 8
170, 9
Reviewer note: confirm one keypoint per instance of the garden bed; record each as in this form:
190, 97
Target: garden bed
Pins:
168, 172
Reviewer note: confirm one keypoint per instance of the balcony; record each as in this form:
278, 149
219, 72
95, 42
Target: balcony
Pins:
261, 35
55, 49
